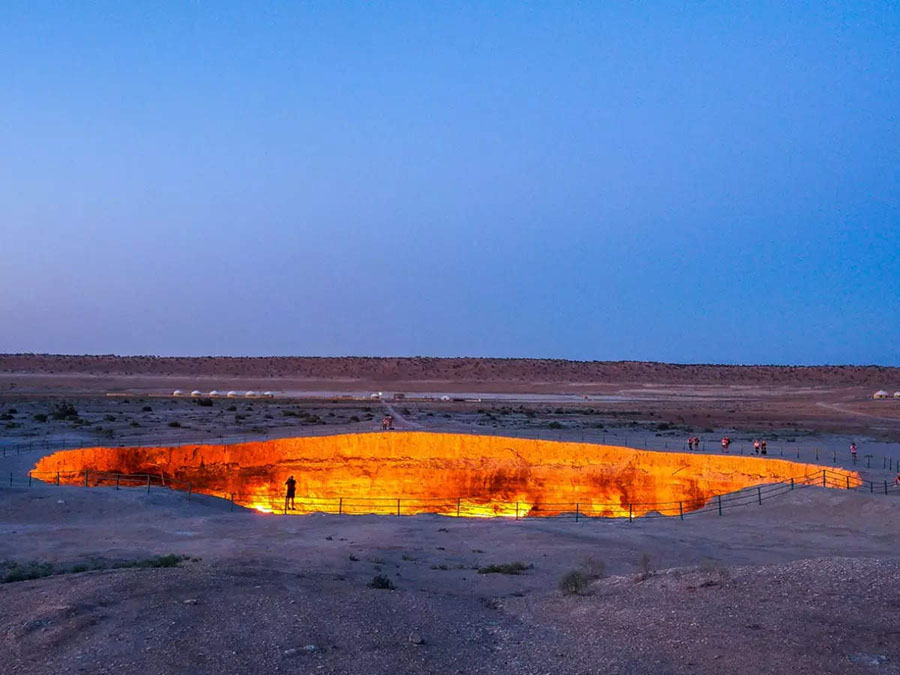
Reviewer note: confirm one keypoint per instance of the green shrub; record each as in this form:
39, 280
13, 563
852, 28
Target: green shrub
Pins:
504, 568
574, 582
381, 582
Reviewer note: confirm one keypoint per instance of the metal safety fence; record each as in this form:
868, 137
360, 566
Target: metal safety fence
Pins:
269, 501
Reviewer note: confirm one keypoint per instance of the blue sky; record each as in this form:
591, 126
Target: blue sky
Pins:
692, 182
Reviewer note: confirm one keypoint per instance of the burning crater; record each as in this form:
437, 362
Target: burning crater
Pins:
417, 472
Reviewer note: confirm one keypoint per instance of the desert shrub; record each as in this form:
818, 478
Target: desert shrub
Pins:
6, 416
554, 425
64, 411
231, 408
26, 571
645, 567
12, 411
40, 417
203, 402
146, 408
109, 418
381, 582
174, 424
504, 568
574, 582
355, 418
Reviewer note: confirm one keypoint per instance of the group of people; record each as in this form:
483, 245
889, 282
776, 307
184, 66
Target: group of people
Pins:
726, 442
694, 443
387, 422
759, 447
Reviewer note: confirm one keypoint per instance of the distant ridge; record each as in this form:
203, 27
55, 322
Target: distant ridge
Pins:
417, 368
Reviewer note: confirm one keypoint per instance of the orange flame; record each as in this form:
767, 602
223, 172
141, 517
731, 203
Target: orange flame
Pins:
451, 474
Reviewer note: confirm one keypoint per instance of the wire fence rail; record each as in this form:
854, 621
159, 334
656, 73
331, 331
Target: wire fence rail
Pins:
269, 501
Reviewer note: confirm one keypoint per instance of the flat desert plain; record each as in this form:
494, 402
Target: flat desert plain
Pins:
803, 583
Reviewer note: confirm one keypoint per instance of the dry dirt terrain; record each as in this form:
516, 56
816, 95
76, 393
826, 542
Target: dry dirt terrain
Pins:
805, 582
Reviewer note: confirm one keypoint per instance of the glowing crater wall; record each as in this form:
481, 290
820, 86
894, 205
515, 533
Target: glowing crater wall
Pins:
437, 473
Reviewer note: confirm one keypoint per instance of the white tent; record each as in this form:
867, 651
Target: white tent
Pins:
232, 394
881, 394
215, 392
196, 393
251, 394
897, 394
178, 392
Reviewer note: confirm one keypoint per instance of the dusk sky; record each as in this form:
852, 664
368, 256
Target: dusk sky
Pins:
690, 182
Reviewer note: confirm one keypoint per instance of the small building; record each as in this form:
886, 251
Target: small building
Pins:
881, 394
178, 392
399, 396
196, 393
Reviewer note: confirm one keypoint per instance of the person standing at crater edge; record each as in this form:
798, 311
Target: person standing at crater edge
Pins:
289, 493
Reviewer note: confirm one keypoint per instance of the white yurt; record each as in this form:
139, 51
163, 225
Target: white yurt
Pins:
897, 394
178, 392
215, 392
881, 394
232, 394
267, 394
251, 394
196, 393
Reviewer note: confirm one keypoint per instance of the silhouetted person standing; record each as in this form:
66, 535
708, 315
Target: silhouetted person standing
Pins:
289, 494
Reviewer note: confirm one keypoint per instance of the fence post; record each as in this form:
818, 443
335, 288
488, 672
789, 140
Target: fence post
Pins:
868, 461
848, 482
681, 510
148, 483
398, 507
759, 495
824, 481
719, 499
871, 486
57, 479
834, 456
885, 487
29, 482
792, 483
817, 454
86, 471
458, 500
576, 512
117, 481
630, 516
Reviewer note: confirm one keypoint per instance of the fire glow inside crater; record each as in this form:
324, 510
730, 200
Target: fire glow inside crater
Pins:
420, 472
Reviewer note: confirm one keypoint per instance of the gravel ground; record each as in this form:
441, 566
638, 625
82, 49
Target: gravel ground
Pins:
829, 615
761, 589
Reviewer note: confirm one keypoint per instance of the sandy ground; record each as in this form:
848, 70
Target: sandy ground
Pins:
804, 583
